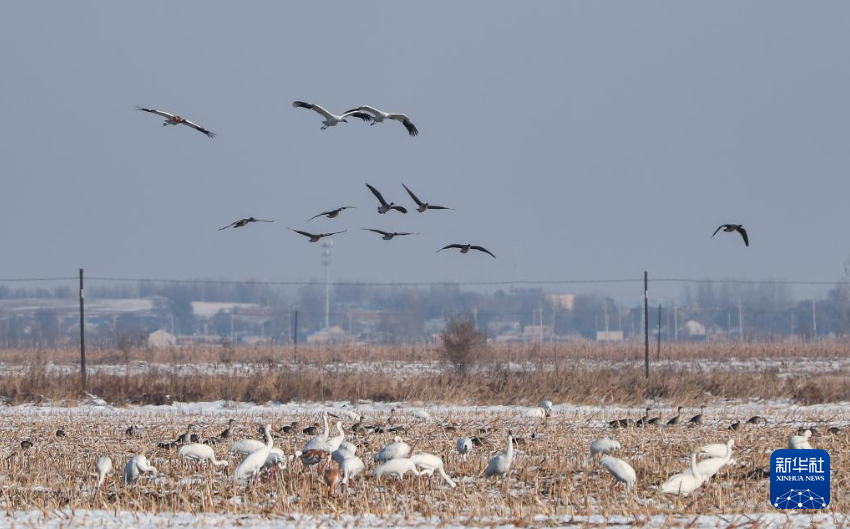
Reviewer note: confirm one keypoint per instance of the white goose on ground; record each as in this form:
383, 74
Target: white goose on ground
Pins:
135, 467
500, 465
395, 450
797, 442
200, 453
251, 465
684, 482
104, 468
622, 471
428, 464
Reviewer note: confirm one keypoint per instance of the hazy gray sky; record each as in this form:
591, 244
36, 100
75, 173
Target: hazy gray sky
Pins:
575, 139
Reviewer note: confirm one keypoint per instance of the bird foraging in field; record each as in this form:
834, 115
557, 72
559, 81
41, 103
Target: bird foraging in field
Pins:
728, 228
622, 471
173, 119
253, 462
798, 442
464, 447
104, 468
464, 248
332, 120
421, 207
332, 214
389, 235
378, 116
331, 478
135, 467
200, 452
677, 419
684, 482
385, 206
395, 450
244, 222
603, 446
315, 237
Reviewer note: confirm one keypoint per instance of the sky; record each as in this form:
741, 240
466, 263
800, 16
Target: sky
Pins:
575, 140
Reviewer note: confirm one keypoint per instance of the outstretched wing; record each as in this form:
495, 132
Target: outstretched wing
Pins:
400, 208
450, 246
404, 233
743, 233
376, 231
377, 194
314, 108
718, 229
304, 233
232, 224
199, 128
411, 128
332, 233
437, 207
357, 114
367, 108
157, 112
409, 192
482, 249
322, 214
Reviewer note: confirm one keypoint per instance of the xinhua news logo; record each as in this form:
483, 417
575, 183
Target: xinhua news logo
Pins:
799, 479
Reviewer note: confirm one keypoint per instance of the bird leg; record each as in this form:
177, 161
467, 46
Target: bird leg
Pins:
323, 127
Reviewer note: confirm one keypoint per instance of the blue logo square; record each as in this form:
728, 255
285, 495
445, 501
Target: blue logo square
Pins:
799, 479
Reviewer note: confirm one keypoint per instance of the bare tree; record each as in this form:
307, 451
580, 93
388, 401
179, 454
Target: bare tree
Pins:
463, 344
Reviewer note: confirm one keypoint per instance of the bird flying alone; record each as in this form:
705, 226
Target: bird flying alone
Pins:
384, 207
379, 116
389, 235
331, 120
734, 227
464, 248
173, 119
314, 237
332, 214
421, 207
244, 222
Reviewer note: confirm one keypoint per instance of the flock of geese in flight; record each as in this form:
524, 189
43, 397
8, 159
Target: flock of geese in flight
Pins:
365, 113
397, 458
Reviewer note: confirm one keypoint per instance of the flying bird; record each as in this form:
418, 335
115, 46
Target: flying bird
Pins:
314, 237
421, 207
332, 120
173, 119
378, 116
332, 214
384, 207
464, 248
388, 235
244, 222
734, 227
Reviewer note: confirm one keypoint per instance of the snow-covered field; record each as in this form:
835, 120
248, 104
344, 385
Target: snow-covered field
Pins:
109, 520
552, 481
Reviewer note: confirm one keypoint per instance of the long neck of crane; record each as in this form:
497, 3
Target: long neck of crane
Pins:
694, 468
510, 451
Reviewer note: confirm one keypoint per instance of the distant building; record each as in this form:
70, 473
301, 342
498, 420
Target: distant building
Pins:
331, 335
609, 336
161, 340
694, 330
561, 301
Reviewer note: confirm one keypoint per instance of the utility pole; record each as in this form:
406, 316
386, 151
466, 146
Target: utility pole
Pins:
675, 322
646, 320
814, 319
605, 303
295, 338
327, 247
740, 320
658, 353
82, 334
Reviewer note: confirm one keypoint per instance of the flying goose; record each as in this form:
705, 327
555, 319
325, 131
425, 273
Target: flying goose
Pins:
244, 222
332, 214
384, 207
421, 206
378, 116
734, 227
314, 237
331, 119
173, 119
388, 235
464, 248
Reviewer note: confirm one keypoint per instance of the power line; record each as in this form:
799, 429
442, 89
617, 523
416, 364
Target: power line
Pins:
367, 283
